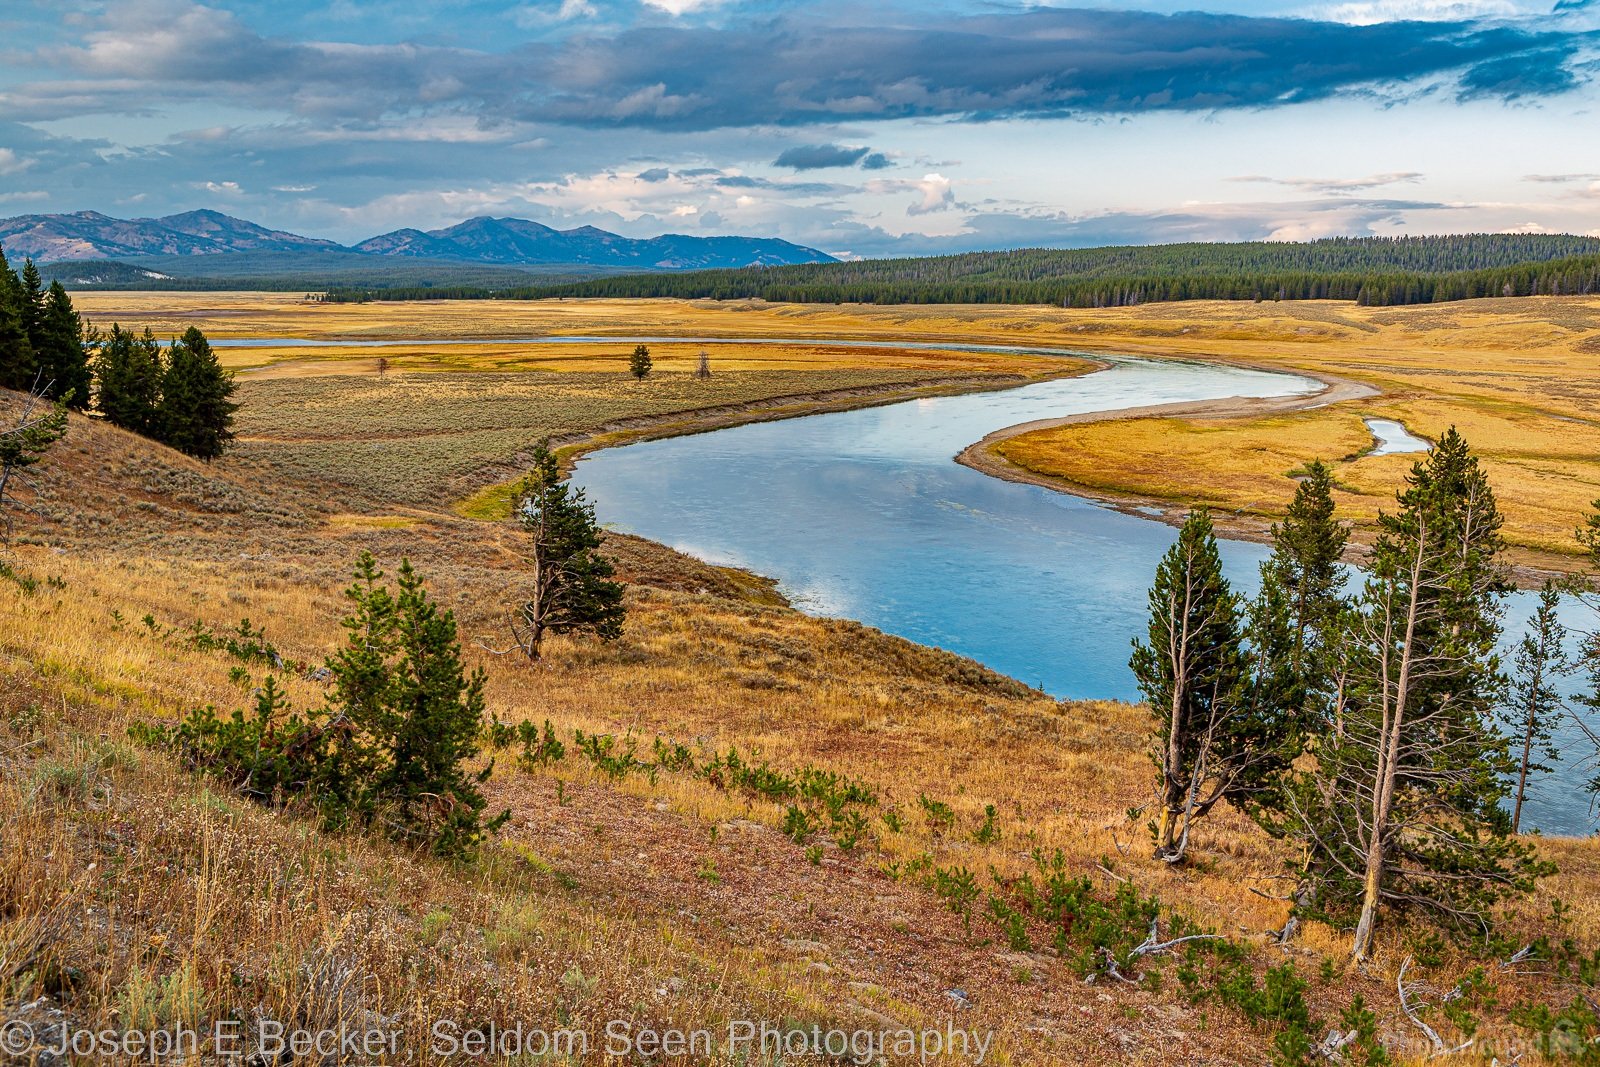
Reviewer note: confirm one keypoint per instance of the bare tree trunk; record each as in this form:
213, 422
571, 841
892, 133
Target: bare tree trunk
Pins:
1387, 761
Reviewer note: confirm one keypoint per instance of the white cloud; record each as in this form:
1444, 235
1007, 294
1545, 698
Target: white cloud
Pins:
935, 191
534, 16
681, 7
11, 163
1371, 12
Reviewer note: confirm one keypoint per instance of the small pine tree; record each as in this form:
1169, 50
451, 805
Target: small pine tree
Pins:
703, 370
195, 414
571, 589
639, 362
392, 748
1193, 674
19, 367
417, 715
127, 373
1535, 703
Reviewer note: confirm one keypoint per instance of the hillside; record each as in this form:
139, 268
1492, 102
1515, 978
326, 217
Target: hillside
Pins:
1374, 270
654, 888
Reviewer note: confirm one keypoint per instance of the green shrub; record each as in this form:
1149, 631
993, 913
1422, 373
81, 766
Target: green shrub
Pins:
391, 747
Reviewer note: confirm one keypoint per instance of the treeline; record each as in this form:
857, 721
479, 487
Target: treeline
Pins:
1374, 271
179, 396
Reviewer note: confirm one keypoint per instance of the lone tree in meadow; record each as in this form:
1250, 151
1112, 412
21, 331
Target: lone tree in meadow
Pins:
23, 443
639, 362
195, 413
1402, 806
571, 589
703, 370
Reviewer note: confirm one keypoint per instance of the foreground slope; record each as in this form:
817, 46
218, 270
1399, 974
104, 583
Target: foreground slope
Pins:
136, 891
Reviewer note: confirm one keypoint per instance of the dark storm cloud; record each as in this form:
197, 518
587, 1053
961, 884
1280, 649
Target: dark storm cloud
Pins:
787, 71
819, 156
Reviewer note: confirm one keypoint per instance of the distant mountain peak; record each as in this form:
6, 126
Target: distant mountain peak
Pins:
486, 239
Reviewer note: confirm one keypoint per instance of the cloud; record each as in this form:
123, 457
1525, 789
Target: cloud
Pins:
1336, 185
1561, 179
531, 16
934, 193
681, 7
819, 156
1369, 12
792, 70
11, 163
1518, 77
876, 161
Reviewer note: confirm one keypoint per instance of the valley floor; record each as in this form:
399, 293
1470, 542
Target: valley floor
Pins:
131, 890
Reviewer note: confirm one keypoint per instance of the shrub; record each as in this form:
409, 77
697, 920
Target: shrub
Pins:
390, 750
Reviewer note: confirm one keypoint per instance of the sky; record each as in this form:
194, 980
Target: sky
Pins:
860, 128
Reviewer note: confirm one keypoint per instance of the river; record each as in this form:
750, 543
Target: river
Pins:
864, 514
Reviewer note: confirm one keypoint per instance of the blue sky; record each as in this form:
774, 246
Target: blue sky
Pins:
860, 128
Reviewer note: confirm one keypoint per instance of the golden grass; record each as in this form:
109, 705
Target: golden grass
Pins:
1518, 377
167, 895
598, 875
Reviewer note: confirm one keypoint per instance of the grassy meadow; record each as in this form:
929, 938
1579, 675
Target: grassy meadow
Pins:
134, 891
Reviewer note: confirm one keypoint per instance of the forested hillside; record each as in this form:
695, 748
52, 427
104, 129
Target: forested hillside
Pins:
1406, 270
1371, 270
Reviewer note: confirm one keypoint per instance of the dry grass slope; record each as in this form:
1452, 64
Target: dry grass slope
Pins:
139, 892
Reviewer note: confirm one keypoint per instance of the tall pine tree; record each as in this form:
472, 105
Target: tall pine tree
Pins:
61, 348
18, 366
128, 375
1535, 703
1587, 714
1403, 807
195, 413
1192, 672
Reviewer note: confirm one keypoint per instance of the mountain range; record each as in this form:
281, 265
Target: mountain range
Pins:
89, 235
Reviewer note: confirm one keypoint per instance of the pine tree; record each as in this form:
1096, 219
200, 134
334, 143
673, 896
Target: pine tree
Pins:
1403, 808
195, 414
639, 362
1193, 674
62, 349
128, 378
18, 366
414, 715
571, 589
1294, 619
32, 304
1588, 719
703, 370
1535, 703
